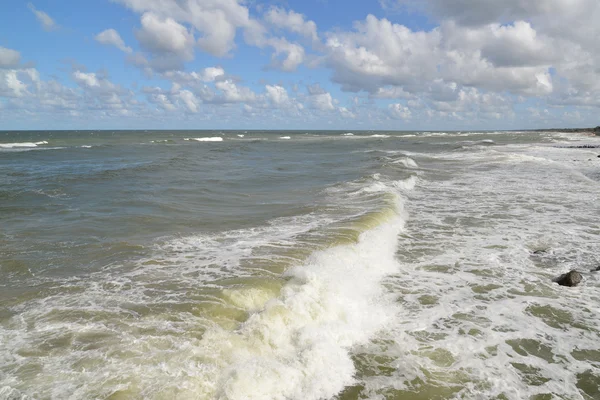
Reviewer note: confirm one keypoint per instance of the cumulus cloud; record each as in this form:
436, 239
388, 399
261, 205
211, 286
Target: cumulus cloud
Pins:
189, 100
392, 61
11, 84
399, 111
216, 20
233, 93
346, 113
518, 38
26, 95
293, 54
319, 98
47, 22
379, 53
9, 58
95, 83
169, 43
209, 74
481, 12
293, 22
277, 95
111, 37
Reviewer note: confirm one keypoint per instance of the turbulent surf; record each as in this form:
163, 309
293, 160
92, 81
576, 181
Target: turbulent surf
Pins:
294, 265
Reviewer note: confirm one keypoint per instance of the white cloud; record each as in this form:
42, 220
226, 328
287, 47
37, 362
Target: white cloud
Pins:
162, 101
47, 23
482, 12
293, 54
190, 101
321, 101
388, 59
347, 113
380, 53
112, 38
169, 42
11, 85
216, 20
399, 111
393, 92
9, 58
27, 96
293, 22
277, 95
103, 93
210, 74
514, 43
232, 93
196, 79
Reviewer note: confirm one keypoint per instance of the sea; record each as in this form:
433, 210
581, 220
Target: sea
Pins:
299, 265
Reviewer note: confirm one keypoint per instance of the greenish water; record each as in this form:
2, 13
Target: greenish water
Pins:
246, 265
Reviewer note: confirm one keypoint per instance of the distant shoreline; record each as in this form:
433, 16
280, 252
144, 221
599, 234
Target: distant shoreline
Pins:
595, 130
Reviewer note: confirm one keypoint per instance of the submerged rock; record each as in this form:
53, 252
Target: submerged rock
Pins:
572, 278
597, 269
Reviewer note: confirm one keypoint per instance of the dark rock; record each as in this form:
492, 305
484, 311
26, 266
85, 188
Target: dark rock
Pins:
572, 278
597, 269
539, 252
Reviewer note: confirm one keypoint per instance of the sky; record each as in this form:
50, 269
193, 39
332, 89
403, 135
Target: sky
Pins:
299, 64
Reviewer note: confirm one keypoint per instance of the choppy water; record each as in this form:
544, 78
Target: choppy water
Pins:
293, 265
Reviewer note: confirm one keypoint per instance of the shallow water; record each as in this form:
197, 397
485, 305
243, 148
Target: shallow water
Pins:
295, 265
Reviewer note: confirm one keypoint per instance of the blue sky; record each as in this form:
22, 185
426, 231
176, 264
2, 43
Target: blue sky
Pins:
315, 64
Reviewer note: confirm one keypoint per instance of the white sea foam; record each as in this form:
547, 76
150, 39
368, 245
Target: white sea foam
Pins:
380, 136
406, 184
285, 137
298, 346
407, 162
348, 134
207, 139
22, 144
478, 310
240, 136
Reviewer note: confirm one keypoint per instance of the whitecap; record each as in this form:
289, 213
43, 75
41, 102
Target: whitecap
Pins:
407, 162
21, 144
207, 139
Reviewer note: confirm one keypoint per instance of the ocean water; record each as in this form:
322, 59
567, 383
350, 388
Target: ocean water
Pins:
250, 265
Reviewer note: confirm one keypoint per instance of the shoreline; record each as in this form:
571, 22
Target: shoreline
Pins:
595, 131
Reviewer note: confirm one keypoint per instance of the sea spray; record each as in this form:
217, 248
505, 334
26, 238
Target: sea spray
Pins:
298, 346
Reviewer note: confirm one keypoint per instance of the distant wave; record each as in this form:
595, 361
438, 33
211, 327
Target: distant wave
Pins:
162, 141
285, 137
207, 139
22, 144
